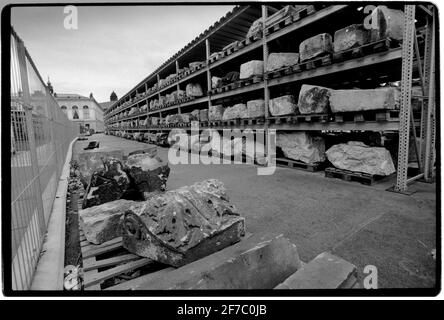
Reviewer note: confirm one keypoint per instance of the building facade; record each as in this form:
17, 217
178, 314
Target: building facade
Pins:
87, 112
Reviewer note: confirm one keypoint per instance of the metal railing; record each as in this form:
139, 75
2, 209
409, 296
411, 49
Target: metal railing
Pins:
40, 136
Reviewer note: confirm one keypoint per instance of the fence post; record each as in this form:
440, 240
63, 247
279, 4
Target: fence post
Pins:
21, 52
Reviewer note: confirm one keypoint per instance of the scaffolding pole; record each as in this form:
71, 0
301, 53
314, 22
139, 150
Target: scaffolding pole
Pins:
406, 89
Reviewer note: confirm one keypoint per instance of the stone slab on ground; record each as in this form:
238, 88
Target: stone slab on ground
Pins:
103, 222
326, 271
92, 160
183, 225
259, 262
358, 157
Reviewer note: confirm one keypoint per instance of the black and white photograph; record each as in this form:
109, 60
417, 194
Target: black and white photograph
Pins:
221, 149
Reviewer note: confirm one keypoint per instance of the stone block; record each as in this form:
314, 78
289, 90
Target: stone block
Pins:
256, 108
326, 271
92, 160
280, 60
184, 224
108, 183
284, 105
104, 222
261, 261
358, 157
350, 37
316, 46
362, 99
389, 23
148, 172
314, 99
301, 146
215, 113
193, 90
251, 68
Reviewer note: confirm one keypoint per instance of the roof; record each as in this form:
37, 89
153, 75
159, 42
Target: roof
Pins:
70, 96
106, 105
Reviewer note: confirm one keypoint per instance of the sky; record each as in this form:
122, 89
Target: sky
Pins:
114, 47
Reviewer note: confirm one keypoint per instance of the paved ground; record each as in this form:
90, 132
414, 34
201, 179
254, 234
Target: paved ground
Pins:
365, 225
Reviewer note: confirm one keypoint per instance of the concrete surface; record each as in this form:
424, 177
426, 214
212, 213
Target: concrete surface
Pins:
49, 271
364, 225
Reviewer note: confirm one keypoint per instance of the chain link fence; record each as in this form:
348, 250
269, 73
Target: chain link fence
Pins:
40, 136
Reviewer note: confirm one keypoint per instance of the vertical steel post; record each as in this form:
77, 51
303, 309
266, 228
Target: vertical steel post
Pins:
406, 89
426, 77
266, 88
430, 120
207, 54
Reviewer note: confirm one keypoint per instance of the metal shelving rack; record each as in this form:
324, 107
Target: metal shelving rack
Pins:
400, 58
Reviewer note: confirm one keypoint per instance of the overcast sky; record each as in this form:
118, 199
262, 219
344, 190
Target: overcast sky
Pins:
114, 48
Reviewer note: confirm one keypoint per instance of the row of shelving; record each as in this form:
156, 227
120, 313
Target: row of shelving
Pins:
251, 43
278, 77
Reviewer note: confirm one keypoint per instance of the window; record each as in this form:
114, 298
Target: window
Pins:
75, 112
85, 112
63, 109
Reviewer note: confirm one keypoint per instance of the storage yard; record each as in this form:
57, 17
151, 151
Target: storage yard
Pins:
285, 147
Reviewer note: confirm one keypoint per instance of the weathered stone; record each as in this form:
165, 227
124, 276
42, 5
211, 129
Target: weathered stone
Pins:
350, 37
313, 99
364, 99
107, 184
92, 160
255, 29
235, 112
301, 146
194, 115
138, 136
148, 172
193, 90
104, 222
183, 225
280, 60
215, 113
389, 23
316, 46
358, 157
154, 121
230, 77
283, 105
216, 82
256, 108
203, 115
251, 68
326, 271
258, 262
194, 64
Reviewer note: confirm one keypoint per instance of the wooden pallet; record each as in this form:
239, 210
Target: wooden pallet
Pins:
107, 260
294, 119
369, 115
364, 178
366, 49
290, 19
289, 163
252, 121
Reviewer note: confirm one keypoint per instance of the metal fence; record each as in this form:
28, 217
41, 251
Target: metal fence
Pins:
40, 136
